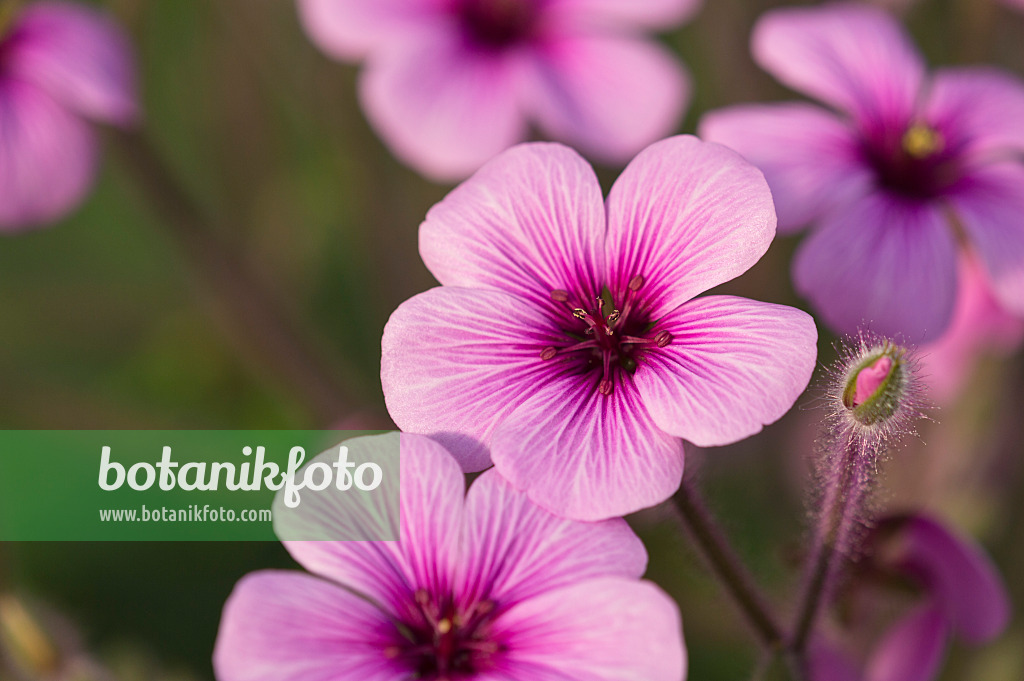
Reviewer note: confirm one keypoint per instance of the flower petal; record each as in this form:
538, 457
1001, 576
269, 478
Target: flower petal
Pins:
586, 456
853, 56
288, 625
827, 663
913, 649
516, 550
685, 215
456, 361
733, 366
48, 161
979, 107
607, 629
440, 107
389, 572
608, 95
989, 205
350, 29
882, 262
79, 55
809, 156
619, 14
527, 223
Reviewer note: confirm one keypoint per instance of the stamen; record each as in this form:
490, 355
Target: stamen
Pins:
605, 387
548, 353
444, 626
613, 317
580, 314
921, 141
636, 283
663, 338
560, 295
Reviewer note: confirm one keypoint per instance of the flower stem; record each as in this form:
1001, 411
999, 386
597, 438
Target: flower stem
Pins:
254, 319
726, 565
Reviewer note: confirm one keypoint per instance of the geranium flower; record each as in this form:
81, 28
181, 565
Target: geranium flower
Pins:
61, 66
904, 167
566, 337
483, 585
448, 84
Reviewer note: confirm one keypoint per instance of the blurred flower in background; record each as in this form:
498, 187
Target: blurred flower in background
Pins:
448, 84
62, 66
909, 166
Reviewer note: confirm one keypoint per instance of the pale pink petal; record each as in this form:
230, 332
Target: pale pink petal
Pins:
610, 96
733, 366
350, 29
810, 157
979, 109
48, 159
389, 572
619, 14
584, 455
529, 222
990, 206
913, 649
883, 262
853, 56
516, 550
606, 629
440, 107
288, 625
686, 216
455, 362
78, 55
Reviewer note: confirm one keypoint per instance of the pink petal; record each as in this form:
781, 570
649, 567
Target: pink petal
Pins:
826, 663
455, 362
809, 156
288, 625
980, 107
78, 55
529, 222
516, 550
586, 456
441, 107
431, 504
619, 14
351, 29
733, 366
989, 204
853, 56
610, 96
606, 629
48, 161
882, 262
913, 649
685, 215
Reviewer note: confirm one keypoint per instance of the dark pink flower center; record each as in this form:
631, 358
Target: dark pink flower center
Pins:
605, 338
444, 643
497, 24
915, 162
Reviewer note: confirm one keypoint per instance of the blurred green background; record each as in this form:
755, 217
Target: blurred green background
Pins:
106, 323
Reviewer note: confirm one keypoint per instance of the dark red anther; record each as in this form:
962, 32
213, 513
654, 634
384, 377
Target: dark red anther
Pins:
663, 338
560, 296
605, 387
548, 353
636, 282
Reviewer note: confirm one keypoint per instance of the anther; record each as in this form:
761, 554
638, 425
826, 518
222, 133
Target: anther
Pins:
605, 387
391, 652
614, 316
663, 338
444, 626
636, 282
560, 295
548, 353
579, 313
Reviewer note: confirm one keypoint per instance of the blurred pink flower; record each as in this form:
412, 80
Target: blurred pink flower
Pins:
484, 585
61, 65
880, 177
566, 336
980, 325
448, 84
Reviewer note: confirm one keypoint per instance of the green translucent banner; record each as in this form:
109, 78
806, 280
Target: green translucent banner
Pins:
191, 485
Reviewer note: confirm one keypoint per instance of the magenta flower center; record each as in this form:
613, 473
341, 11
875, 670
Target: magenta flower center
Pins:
444, 643
497, 24
605, 338
914, 162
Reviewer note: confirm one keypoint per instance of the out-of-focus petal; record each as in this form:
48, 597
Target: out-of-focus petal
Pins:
825, 663
610, 96
351, 29
979, 108
685, 216
733, 366
913, 649
619, 14
851, 55
809, 156
48, 160
77, 54
884, 263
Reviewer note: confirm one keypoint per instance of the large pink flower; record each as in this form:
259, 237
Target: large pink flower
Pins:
61, 65
904, 166
483, 585
449, 84
566, 337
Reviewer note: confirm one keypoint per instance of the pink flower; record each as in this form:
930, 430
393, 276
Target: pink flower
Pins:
483, 585
902, 167
448, 84
61, 66
566, 337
